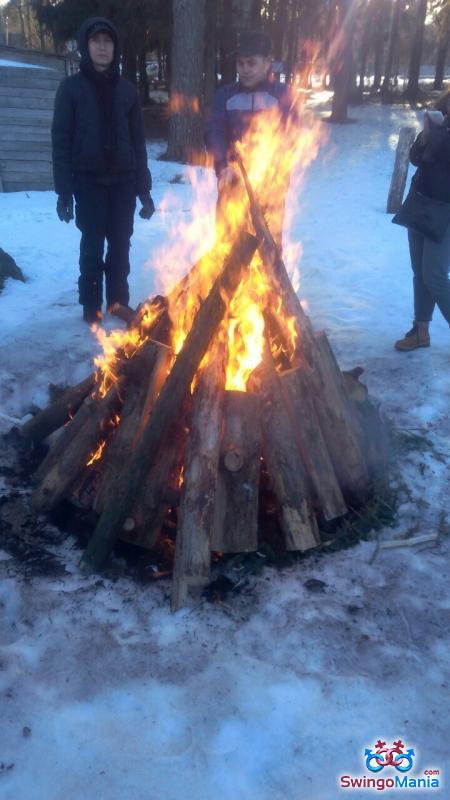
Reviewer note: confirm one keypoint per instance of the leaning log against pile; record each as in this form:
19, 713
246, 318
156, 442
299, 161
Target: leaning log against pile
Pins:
314, 355
287, 472
201, 460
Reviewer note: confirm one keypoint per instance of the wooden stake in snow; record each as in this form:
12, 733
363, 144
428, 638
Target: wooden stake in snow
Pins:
400, 173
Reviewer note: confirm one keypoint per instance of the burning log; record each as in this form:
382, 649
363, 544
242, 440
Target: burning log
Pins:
196, 514
169, 402
148, 375
235, 527
338, 423
83, 435
277, 275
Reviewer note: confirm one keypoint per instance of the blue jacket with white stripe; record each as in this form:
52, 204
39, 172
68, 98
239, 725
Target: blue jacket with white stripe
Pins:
232, 110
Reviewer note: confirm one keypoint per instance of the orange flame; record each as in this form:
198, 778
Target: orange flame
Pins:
276, 152
96, 456
181, 104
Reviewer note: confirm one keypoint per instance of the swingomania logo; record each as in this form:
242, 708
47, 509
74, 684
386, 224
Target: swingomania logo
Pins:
395, 763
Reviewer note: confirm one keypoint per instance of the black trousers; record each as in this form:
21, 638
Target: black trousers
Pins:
104, 213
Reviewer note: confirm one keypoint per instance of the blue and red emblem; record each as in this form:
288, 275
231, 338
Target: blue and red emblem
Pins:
383, 756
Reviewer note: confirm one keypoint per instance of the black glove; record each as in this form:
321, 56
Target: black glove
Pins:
148, 206
64, 207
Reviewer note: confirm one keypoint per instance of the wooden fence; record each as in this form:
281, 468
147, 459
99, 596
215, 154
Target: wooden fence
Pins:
28, 83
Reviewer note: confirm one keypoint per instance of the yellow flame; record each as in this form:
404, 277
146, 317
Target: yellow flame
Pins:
276, 152
96, 456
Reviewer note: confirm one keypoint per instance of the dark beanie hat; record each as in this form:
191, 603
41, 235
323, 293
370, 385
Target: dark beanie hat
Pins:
97, 27
253, 43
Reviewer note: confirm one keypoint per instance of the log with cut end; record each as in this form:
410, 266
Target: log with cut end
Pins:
236, 507
284, 464
155, 496
301, 412
58, 413
70, 453
143, 388
169, 402
196, 513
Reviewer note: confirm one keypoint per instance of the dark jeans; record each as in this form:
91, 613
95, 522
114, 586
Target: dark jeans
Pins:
430, 262
104, 213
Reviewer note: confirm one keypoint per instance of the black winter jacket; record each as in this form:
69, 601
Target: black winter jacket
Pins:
433, 161
77, 135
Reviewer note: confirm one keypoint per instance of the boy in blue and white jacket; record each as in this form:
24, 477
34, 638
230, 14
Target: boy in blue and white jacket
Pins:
235, 105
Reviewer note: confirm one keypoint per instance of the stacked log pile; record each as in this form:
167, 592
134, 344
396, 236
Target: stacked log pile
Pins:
155, 439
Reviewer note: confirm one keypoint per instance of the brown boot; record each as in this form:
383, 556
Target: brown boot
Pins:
418, 336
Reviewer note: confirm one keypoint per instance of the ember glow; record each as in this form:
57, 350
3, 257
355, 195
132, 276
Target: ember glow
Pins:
276, 153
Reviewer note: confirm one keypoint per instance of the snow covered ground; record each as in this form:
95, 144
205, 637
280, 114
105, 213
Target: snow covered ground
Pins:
276, 693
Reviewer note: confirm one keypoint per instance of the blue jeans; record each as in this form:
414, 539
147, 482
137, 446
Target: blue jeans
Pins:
430, 263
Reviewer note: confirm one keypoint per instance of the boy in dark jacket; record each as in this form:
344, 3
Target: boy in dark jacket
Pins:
235, 105
100, 158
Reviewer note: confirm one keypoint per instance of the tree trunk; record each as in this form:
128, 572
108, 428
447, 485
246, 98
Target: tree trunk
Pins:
342, 60
393, 43
412, 90
378, 43
210, 52
364, 51
280, 29
129, 61
227, 44
291, 60
441, 58
255, 19
22, 23
185, 124
143, 80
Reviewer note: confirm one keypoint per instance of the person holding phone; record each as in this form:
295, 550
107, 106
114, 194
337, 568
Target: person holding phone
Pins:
426, 214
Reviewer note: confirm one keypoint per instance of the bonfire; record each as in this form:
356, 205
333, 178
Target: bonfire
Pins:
217, 381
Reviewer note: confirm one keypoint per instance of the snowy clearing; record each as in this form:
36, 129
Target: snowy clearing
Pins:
276, 693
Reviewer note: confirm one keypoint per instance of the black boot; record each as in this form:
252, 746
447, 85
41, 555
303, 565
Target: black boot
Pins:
93, 316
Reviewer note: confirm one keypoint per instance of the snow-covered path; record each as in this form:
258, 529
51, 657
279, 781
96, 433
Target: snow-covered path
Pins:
276, 694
